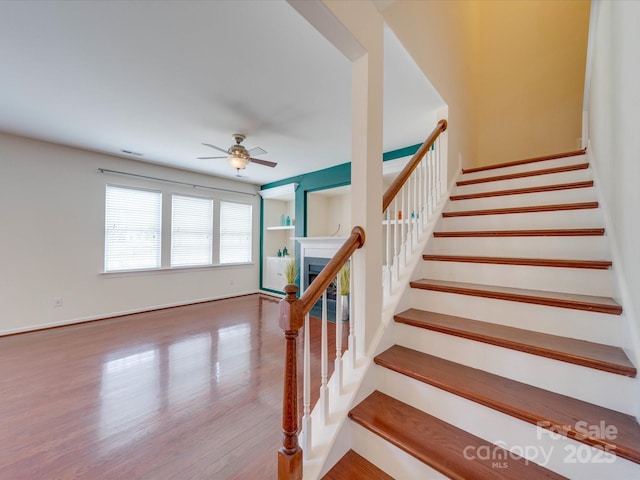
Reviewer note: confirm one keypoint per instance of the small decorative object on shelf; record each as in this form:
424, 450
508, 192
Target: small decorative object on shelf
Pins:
282, 220
288, 220
279, 253
413, 214
399, 214
285, 252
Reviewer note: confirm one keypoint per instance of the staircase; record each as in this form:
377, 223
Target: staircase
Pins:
507, 363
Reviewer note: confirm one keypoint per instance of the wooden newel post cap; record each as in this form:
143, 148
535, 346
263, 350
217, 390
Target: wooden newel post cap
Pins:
291, 317
291, 289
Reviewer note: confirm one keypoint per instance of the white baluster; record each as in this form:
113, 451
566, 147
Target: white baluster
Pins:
396, 240
425, 189
337, 371
352, 335
410, 212
414, 207
306, 395
434, 182
388, 250
423, 169
324, 363
403, 249
436, 152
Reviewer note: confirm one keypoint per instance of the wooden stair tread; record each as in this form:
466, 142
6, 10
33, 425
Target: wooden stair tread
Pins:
569, 416
528, 209
588, 354
520, 191
354, 466
530, 173
552, 232
524, 161
532, 262
437, 443
553, 299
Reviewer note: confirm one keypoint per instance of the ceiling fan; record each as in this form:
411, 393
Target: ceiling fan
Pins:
238, 156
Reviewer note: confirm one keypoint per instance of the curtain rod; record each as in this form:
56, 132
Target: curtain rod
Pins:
194, 185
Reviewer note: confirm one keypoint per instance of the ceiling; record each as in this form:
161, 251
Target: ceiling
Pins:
161, 78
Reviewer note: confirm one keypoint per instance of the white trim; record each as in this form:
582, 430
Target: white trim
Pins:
287, 191
593, 20
154, 271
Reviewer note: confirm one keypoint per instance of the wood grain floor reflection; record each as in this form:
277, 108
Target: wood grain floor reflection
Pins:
185, 393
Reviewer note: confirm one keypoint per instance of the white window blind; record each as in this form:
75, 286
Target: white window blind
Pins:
133, 222
191, 231
235, 232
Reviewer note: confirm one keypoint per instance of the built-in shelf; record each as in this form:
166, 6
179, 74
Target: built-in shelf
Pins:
282, 227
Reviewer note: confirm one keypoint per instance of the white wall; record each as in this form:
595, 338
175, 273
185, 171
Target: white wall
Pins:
614, 117
52, 241
340, 208
317, 215
328, 214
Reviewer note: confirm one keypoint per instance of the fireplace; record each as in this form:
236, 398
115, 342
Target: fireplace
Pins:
315, 253
312, 268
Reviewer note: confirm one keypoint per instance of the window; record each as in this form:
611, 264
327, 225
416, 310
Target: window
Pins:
132, 229
235, 232
191, 231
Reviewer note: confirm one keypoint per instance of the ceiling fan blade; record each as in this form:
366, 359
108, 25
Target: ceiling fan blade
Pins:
256, 151
217, 148
266, 163
208, 158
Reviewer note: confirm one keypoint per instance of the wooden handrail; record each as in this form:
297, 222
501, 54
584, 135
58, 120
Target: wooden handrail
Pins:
406, 172
292, 313
331, 270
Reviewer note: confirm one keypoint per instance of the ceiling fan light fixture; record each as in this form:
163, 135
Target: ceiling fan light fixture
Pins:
238, 162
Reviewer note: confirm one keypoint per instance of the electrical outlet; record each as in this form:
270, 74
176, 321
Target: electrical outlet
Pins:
57, 301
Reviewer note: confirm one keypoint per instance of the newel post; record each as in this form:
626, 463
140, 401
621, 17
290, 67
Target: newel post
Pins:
290, 454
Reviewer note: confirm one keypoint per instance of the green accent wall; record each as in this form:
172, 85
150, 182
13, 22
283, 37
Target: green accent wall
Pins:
331, 177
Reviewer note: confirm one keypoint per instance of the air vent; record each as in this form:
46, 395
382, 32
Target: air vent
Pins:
131, 152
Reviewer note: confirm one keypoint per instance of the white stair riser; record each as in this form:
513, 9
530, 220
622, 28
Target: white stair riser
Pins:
389, 458
582, 248
527, 167
575, 381
568, 280
494, 426
533, 181
590, 326
574, 195
587, 218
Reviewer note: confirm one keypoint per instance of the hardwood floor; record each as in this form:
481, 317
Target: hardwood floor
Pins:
184, 393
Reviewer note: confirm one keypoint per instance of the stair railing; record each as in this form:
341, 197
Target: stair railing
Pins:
408, 204
294, 313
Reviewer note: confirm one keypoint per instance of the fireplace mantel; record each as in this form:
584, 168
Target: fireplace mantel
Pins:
323, 247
